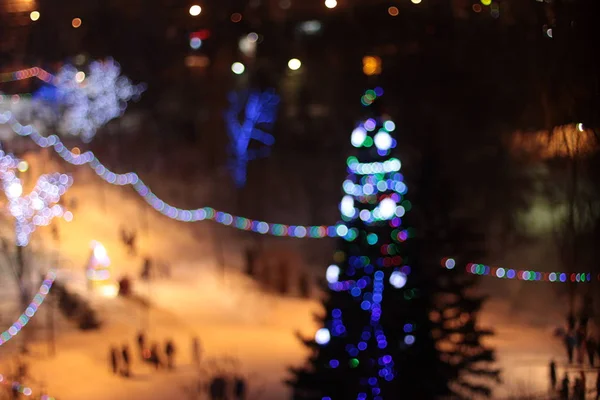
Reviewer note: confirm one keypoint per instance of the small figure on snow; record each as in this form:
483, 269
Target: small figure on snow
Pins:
126, 360
141, 341
128, 239
124, 286
114, 360
155, 357
196, 351
592, 346
239, 389
564, 388
146, 269
170, 353
553, 375
218, 388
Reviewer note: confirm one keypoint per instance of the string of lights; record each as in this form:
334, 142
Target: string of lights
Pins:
522, 275
27, 73
22, 389
31, 310
179, 214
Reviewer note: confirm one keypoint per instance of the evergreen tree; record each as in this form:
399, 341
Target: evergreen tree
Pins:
396, 325
375, 342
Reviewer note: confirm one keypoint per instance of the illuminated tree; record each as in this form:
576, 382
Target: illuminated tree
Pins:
78, 104
257, 111
375, 342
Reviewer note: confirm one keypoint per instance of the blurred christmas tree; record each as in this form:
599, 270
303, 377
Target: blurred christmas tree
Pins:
379, 340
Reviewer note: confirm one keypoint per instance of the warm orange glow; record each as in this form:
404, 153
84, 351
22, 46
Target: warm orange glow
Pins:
76, 23
76, 151
371, 65
393, 11
236, 17
563, 141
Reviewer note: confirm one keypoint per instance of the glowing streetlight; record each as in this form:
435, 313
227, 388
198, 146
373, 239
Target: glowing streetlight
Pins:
195, 10
330, 3
238, 68
294, 64
35, 15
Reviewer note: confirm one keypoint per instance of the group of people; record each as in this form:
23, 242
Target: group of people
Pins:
152, 354
578, 390
578, 340
120, 358
222, 388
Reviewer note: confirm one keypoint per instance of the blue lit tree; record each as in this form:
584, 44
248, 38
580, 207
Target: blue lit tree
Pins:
390, 330
77, 104
375, 331
250, 116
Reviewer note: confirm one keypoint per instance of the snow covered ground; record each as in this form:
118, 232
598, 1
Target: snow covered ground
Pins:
230, 315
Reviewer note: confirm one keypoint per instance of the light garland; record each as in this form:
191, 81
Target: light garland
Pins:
37, 208
24, 390
31, 310
522, 275
192, 215
34, 72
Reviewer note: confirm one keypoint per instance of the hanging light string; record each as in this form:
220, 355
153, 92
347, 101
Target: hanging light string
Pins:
27, 73
522, 275
179, 214
31, 310
20, 388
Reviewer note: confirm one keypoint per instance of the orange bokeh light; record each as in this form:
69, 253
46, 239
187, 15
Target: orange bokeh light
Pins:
76, 23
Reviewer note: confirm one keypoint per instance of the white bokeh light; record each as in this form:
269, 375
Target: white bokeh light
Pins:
322, 336
330, 3
398, 279
238, 68
358, 136
332, 274
383, 140
14, 189
347, 206
387, 208
195, 10
294, 64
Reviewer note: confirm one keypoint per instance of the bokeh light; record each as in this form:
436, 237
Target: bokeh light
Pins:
323, 336
330, 3
80, 76
236, 17
195, 43
238, 68
195, 10
294, 64
35, 15
393, 11
415, 1
76, 23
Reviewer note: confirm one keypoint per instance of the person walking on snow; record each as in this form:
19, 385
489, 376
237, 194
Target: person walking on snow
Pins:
114, 360
553, 375
196, 351
170, 353
591, 349
126, 360
141, 341
564, 388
